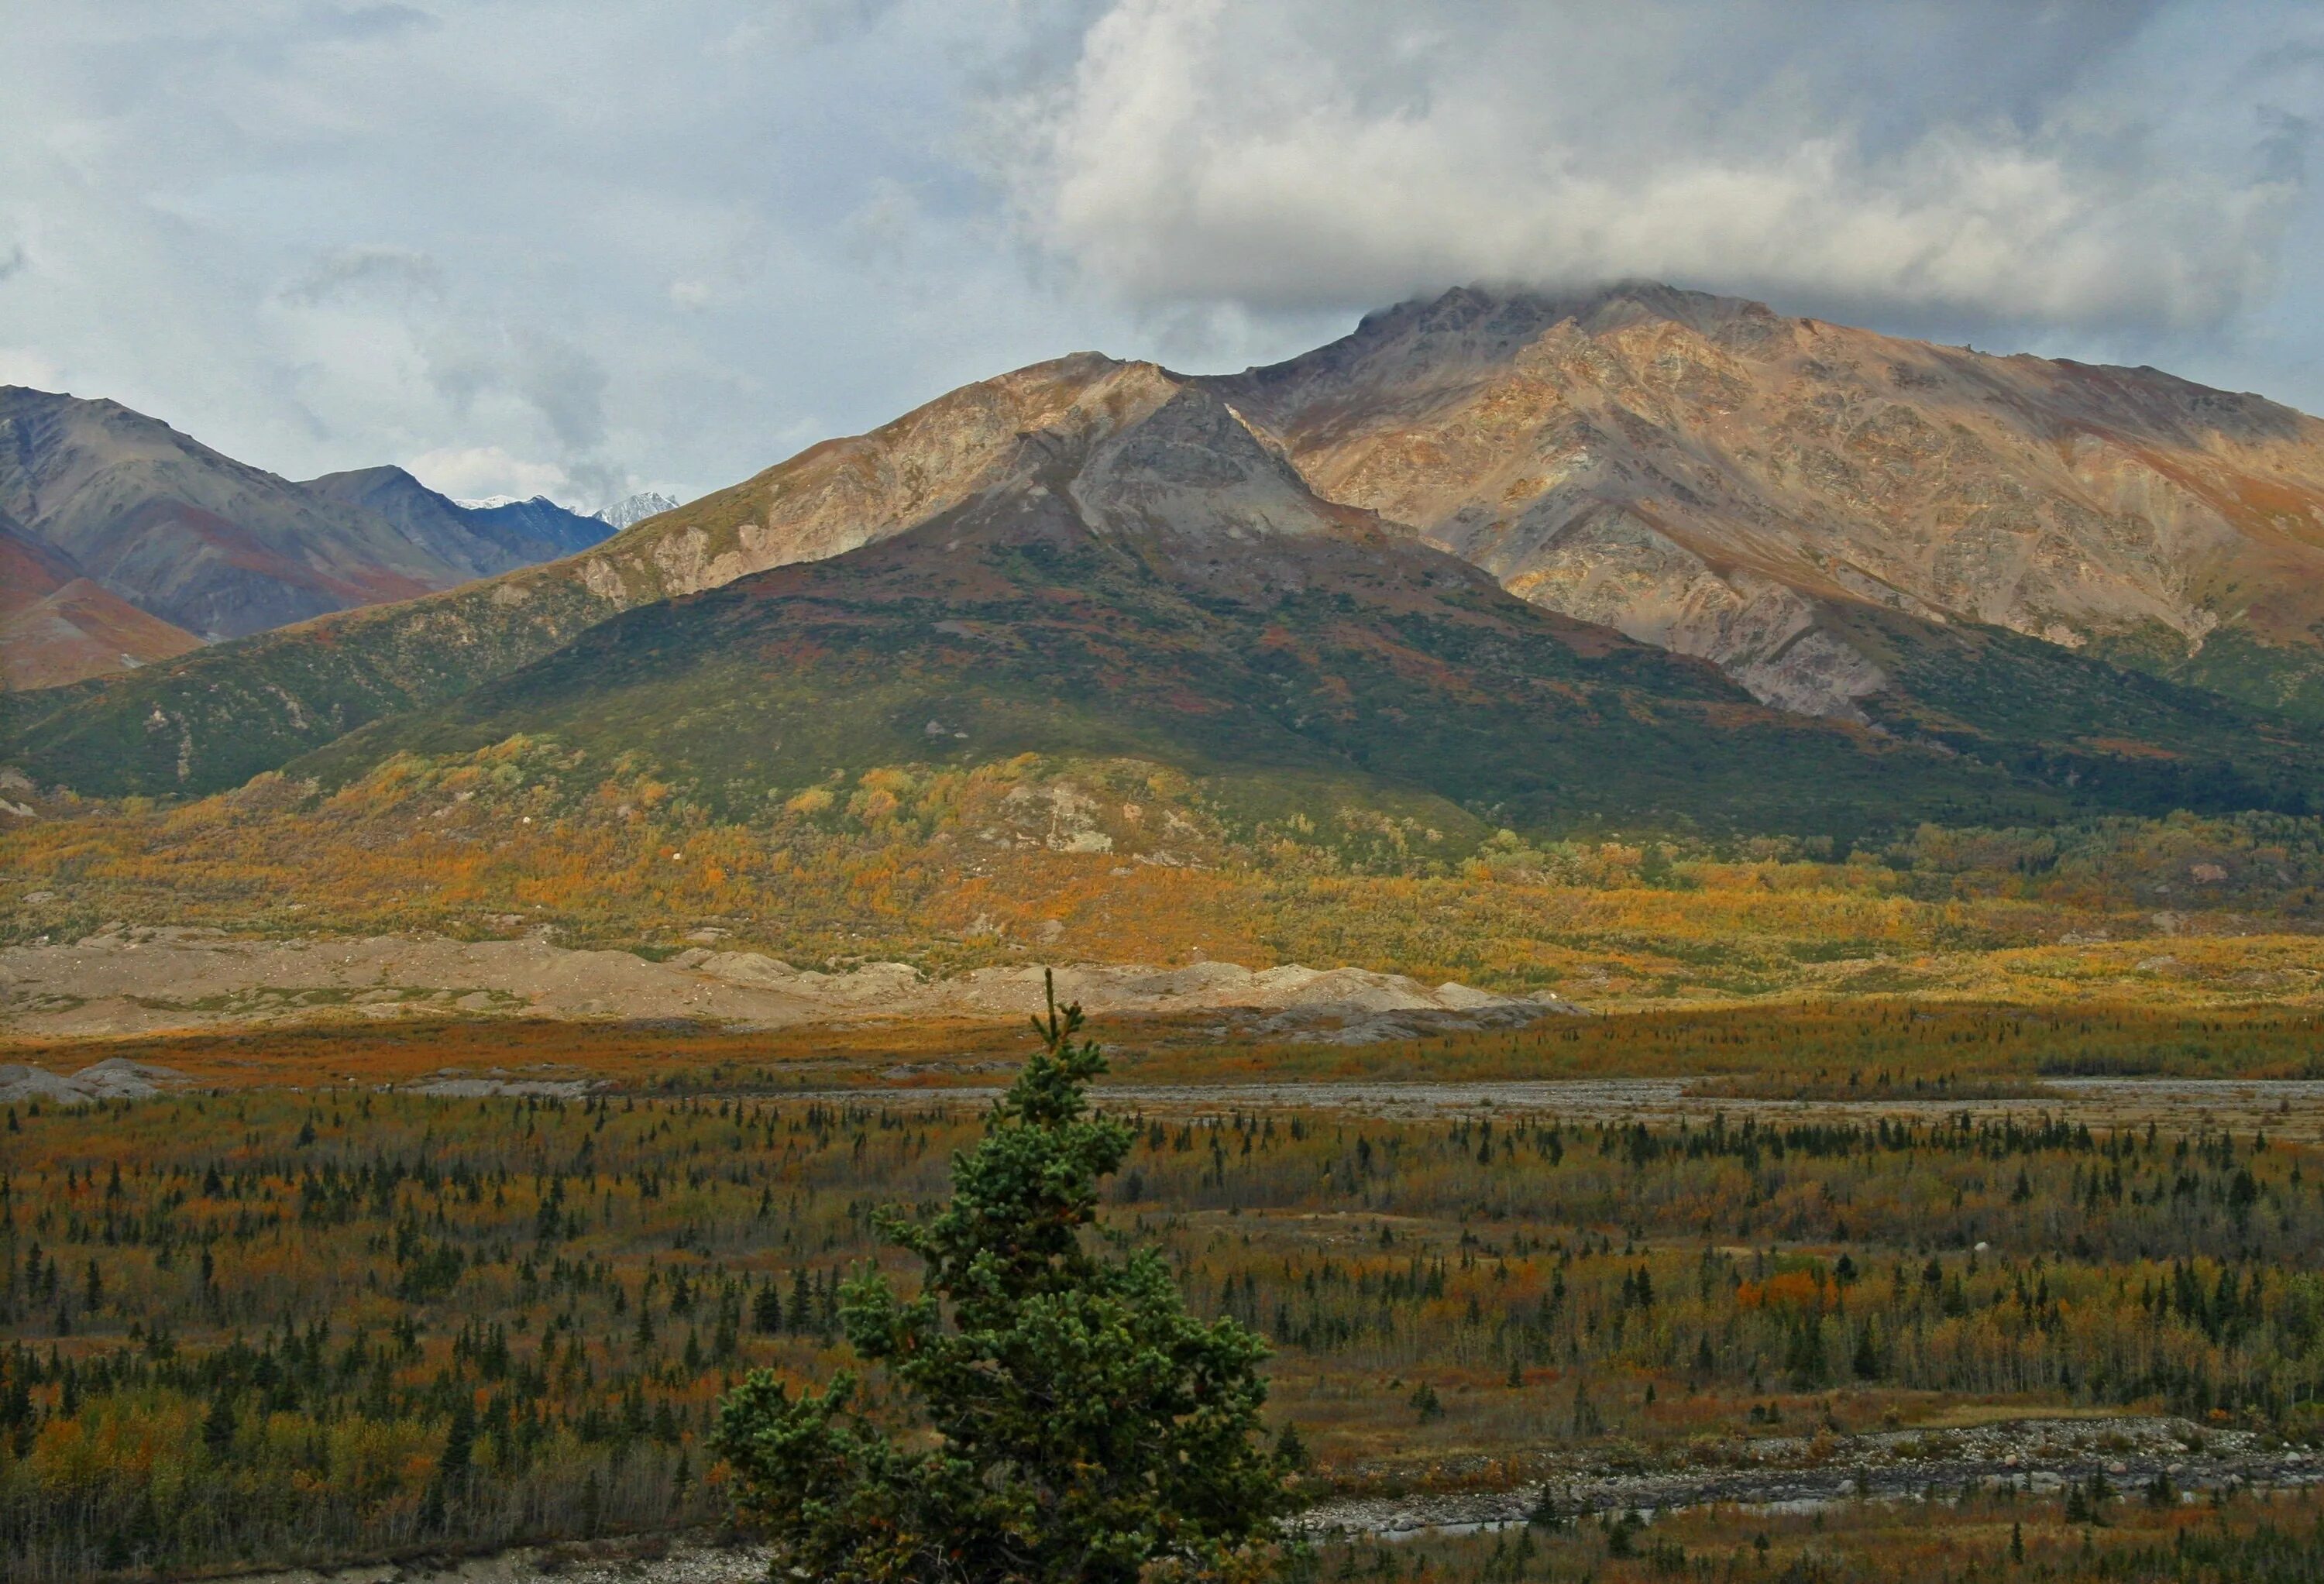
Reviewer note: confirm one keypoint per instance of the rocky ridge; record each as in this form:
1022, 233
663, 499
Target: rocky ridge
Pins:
1706, 475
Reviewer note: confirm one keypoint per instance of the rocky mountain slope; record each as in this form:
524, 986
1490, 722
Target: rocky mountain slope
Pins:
167, 544
1775, 493
1889, 535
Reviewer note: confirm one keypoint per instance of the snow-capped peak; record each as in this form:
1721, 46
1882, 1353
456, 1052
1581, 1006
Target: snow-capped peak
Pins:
490, 502
637, 508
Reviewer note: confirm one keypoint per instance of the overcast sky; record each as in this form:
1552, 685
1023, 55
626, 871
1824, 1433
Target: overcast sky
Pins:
586, 247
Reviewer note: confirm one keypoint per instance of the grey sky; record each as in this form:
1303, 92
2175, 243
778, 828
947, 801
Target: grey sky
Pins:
589, 247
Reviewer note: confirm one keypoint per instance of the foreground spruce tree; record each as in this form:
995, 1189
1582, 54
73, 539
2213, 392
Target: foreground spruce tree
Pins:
1077, 1422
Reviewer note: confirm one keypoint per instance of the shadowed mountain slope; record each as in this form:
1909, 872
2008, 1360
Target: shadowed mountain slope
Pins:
188, 534
489, 538
56, 626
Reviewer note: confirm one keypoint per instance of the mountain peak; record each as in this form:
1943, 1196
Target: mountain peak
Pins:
1511, 310
631, 509
1457, 336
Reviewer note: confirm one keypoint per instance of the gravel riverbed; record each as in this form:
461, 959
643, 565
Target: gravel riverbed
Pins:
2039, 1455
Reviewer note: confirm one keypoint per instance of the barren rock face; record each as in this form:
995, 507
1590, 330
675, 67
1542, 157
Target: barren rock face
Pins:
834, 497
1711, 477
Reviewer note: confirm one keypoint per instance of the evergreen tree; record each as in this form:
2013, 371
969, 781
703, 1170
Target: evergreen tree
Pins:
767, 1309
218, 1426
1084, 1426
802, 1309
1868, 1351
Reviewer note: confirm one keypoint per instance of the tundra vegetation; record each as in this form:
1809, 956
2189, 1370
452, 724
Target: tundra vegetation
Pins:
247, 1325
1119, 860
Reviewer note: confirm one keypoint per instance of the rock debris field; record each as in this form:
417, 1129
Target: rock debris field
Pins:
141, 981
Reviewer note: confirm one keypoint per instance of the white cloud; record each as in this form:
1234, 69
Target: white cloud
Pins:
20, 365
671, 241
474, 472
2014, 167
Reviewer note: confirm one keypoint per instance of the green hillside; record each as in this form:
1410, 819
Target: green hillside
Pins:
1390, 667
2113, 738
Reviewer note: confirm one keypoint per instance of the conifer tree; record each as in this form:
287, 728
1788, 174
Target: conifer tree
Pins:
1082, 1426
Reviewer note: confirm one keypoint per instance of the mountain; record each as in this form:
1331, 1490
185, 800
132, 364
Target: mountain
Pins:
56, 626
168, 543
493, 536
632, 509
538, 529
1578, 450
212, 720
491, 539
1148, 577
212, 545
1816, 507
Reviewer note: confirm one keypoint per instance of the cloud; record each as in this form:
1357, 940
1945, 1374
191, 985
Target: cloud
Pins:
473, 472
565, 384
348, 272
669, 242
1978, 161
20, 365
385, 320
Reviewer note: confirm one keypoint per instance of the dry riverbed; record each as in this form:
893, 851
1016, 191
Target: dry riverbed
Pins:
137, 980
2038, 1455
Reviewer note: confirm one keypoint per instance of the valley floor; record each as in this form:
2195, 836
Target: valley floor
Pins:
129, 980
1861, 1276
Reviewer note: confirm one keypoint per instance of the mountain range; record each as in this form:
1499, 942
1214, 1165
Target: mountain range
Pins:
129, 543
1635, 558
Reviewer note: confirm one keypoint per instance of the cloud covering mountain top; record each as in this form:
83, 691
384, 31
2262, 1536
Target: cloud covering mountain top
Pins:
521, 247
2071, 164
